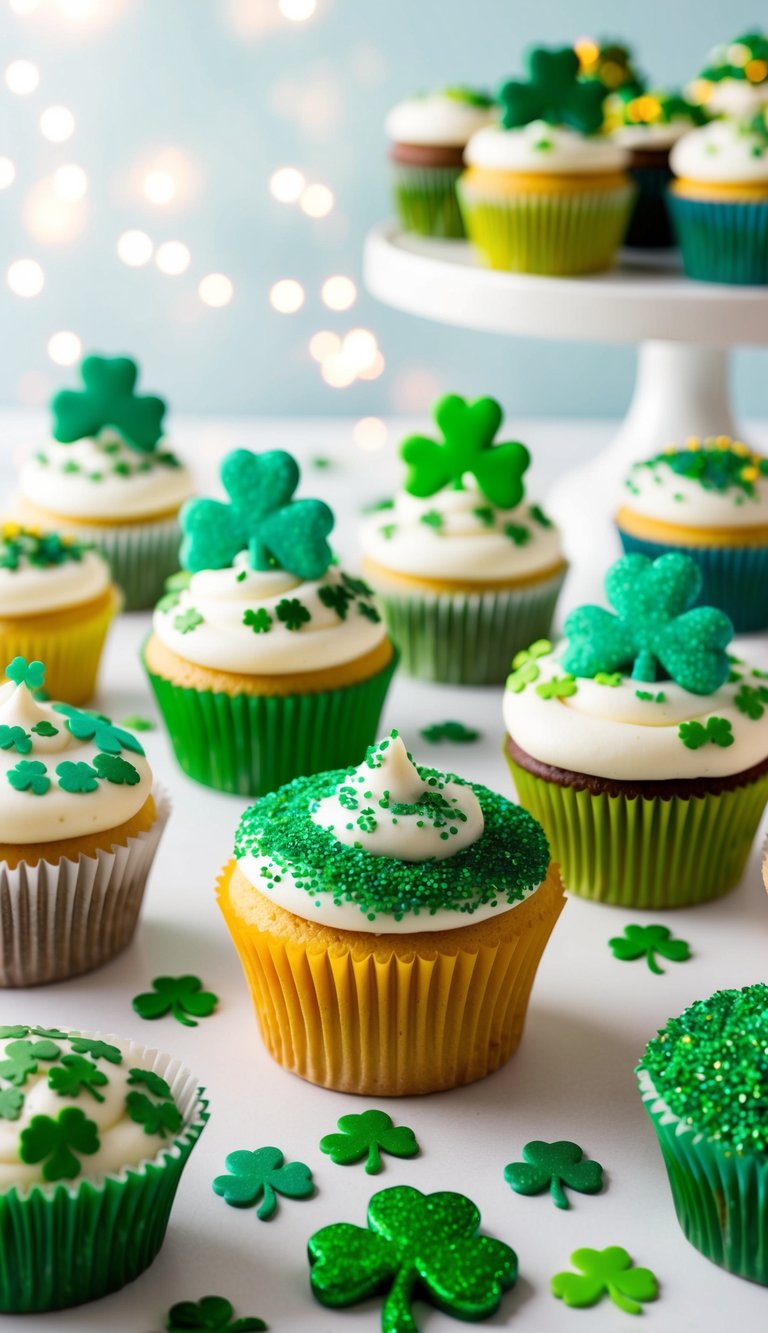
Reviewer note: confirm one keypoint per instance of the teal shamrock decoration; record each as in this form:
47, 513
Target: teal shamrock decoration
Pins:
77, 776
212, 1314
155, 1117
22, 672
525, 668
15, 738
95, 727
652, 629
468, 431
554, 93
73, 1075
21, 1059
113, 768
368, 1134
108, 399
29, 775
552, 1166
715, 731
45, 728
262, 518
417, 1247
57, 1143
646, 942
606, 1272
262, 1174
182, 997
11, 1103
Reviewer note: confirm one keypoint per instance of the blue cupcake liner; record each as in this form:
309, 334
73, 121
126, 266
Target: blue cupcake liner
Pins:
650, 226
735, 578
722, 242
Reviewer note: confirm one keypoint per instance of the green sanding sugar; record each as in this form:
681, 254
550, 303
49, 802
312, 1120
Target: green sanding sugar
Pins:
509, 860
710, 1066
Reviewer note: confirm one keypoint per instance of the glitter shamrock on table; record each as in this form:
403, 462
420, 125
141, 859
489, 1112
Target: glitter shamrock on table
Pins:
652, 631
57, 1143
368, 1135
108, 400
458, 733
211, 1314
606, 1272
183, 997
467, 446
646, 942
553, 93
262, 1174
417, 1247
262, 517
552, 1166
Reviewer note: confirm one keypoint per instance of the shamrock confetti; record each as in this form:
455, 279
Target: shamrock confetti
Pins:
77, 776
156, 1117
525, 668
292, 613
646, 942
22, 672
94, 727
368, 1135
180, 996
56, 1143
468, 431
259, 621
715, 731
606, 1272
29, 775
262, 1174
137, 723
455, 732
11, 1102
554, 93
212, 1314
557, 687
74, 1075
552, 1166
417, 1247
108, 400
21, 1059
187, 621
98, 1050
15, 738
113, 768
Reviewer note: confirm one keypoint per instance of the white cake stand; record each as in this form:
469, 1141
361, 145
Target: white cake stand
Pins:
683, 330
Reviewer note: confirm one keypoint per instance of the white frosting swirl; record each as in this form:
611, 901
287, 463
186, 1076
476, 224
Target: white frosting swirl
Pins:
653, 490
737, 97
566, 151
723, 152
663, 135
36, 589
112, 480
437, 119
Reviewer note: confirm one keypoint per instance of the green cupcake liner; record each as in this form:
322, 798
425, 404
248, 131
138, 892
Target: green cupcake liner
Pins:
62, 1245
722, 242
426, 202
141, 556
720, 1196
467, 638
550, 234
650, 226
252, 744
645, 852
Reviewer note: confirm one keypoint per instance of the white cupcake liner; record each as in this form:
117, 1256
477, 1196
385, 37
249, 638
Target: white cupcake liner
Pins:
141, 555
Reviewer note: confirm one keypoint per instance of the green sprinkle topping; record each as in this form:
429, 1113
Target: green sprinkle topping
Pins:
537, 514
558, 687
432, 518
716, 731
716, 463
525, 668
751, 701
486, 515
43, 550
259, 621
292, 613
651, 698
388, 530
517, 533
609, 678
187, 621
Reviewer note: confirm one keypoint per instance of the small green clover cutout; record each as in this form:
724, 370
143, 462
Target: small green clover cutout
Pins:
715, 731
22, 672
606, 1272
211, 1314
11, 1103
557, 687
29, 775
21, 1059
183, 997
468, 431
292, 613
458, 733
113, 768
15, 738
108, 399
94, 727
525, 668
159, 1118
98, 1050
262, 1174
57, 1143
260, 621
646, 942
554, 93
76, 776
552, 1166
73, 1075
368, 1135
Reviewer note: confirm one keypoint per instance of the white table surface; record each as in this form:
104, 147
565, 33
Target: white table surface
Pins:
572, 1077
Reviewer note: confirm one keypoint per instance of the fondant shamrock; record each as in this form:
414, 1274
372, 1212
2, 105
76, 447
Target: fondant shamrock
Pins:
552, 1166
652, 631
56, 1143
417, 1247
179, 996
262, 1174
646, 942
29, 775
262, 518
98, 1050
554, 92
147, 1078
108, 400
606, 1272
113, 768
22, 672
156, 1117
368, 1135
11, 1103
73, 1075
21, 1059
468, 431
212, 1314
97, 728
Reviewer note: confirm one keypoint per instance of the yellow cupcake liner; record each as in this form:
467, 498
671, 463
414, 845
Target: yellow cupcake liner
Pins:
70, 646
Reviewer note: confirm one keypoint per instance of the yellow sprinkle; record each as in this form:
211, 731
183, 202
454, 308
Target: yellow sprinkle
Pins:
756, 71
749, 474
700, 91
723, 441
645, 109
693, 442
11, 529
740, 448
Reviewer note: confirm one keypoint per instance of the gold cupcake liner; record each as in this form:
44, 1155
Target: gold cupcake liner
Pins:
71, 651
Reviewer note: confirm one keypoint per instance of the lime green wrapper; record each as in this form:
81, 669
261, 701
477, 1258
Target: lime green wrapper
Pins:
720, 1196
551, 234
141, 556
252, 744
65, 1244
645, 852
426, 201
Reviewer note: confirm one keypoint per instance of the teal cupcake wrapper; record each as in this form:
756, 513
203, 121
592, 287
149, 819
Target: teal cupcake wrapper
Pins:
722, 242
650, 226
558, 235
141, 556
735, 578
425, 199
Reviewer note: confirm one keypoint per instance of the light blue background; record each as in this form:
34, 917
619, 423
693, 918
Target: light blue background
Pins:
313, 95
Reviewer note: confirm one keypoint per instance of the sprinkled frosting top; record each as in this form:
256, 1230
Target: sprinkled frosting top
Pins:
734, 81
711, 483
42, 572
654, 119
727, 152
447, 118
540, 148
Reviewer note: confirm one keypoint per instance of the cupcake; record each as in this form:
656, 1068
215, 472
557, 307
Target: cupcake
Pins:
719, 201
56, 603
735, 80
544, 192
390, 920
648, 125
80, 823
709, 498
108, 477
465, 568
704, 1082
640, 744
610, 62
94, 1136
267, 660
427, 136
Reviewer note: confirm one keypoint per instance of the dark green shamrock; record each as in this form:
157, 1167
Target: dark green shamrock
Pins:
21, 1059
259, 621
15, 738
262, 518
22, 672
554, 92
262, 1174
368, 1135
94, 727
108, 400
646, 942
652, 630
56, 1143
11, 1102
292, 613
715, 731
418, 1247
517, 533
751, 701
29, 775
153, 1082
74, 1075
113, 768
180, 996
98, 1050
77, 776
455, 732
212, 1314
525, 668
336, 597
606, 1272
53, 1034
552, 1166
155, 1117
468, 431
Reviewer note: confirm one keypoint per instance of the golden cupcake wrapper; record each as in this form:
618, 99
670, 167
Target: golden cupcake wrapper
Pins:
70, 646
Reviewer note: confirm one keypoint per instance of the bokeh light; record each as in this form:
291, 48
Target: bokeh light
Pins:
375, 367
287, 296
22, 77
338, 292
370, 433
287, 184
323, 345
7, 173
359, 349
70, 182
52, 217
159, 187
23, 7
57, 124
216, 290
173, 258
25, 277
297, 11
135, 248
336, 373
317, 201
65, 348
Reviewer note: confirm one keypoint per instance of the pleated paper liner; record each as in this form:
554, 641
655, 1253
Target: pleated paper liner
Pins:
735, 578
650, 226
68, 1243
426, 202
60, 920
252, 744
645, 852
70, 646
549, 234
392, 1015
141, 555
722, 242
720, 1196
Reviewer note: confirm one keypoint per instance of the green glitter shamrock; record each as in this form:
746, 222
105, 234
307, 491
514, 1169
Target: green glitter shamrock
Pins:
11, 1103
716, 731
75, 1075
368, 1135
468, 431
259, 621
716, 463
525, 669
651, 629
77, 776
187, 620
552, 1166
418, 1247
22, 672
606, 1272
113, 768
292, 613
646, 942
554, 93
108, 400
211, 1314
262, 518
98, 1050
179, 996
155, 1117
56, 1143
262, 1174
21, 1059
557, 687
456, 732
94, 727
15, 738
